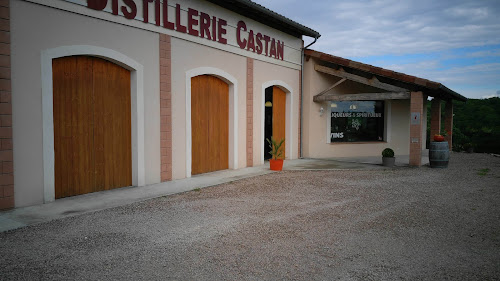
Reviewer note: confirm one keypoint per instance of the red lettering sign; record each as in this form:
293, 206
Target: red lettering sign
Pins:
199, 24
157, 12
133, 9
272, 52
258, 49
97, 4
222, 30
167, 24
178, 26
251, 44
114, 7
145, 10
205, 26
241, 26
192, 22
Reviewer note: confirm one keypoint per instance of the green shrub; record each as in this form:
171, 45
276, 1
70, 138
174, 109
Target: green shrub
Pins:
387, 152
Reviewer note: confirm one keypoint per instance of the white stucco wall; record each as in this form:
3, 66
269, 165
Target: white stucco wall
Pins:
315, 142
36, 28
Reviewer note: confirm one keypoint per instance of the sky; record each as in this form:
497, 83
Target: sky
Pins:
454, 42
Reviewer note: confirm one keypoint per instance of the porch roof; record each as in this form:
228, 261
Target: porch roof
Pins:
384, 78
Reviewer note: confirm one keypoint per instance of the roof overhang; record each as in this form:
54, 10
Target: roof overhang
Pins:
265, 16
384, 79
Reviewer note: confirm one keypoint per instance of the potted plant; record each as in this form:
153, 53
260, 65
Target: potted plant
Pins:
440, 137
276, 163
388, 158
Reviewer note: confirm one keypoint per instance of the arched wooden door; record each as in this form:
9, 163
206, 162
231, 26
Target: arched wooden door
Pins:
209, 124
92, 125
279, 117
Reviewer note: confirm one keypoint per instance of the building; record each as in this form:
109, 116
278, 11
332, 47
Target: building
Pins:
353, 109
101, 94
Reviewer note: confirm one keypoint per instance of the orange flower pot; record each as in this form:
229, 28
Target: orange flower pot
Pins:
438, 138
276, 164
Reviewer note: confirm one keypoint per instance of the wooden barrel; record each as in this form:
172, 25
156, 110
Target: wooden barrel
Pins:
439, 154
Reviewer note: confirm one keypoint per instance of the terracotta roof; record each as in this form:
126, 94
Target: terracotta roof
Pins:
429, 87
265, 16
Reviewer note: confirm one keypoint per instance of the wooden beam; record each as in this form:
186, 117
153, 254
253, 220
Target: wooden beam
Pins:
371, 82
331, 87
364, 96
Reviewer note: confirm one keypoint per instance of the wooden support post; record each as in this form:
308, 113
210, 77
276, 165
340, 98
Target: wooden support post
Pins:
435, 117
331, 87
448, 122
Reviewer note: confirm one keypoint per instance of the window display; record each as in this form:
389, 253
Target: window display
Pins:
357, 121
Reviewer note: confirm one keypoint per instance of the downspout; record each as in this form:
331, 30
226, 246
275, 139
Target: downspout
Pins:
302, 92
315, 39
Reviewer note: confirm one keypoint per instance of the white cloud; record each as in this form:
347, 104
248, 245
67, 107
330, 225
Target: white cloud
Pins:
478, 74
473, 13
488, 53
363, 29
418, 69
406, 37
367, 28
497, 95
475, 93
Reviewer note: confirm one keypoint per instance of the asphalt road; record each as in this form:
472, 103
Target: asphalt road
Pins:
399, 224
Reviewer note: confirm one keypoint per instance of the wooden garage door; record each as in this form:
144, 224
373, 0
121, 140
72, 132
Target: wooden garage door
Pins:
279, 116
92, 125
209, 124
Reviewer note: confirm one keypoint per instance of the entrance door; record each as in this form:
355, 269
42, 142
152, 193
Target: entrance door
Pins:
274, 118
92, 125
209, 124
279, 114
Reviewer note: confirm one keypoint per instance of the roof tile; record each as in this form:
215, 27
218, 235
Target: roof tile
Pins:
359, 65
421, 82
433, 85
406, 78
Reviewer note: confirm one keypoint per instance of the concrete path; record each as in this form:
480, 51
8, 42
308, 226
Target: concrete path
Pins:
75, 205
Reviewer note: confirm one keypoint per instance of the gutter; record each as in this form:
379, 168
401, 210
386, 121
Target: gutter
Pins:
302, 92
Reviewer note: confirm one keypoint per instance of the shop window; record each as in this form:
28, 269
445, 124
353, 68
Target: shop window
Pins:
357, 121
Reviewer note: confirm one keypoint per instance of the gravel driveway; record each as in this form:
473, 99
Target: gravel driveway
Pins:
405, 223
